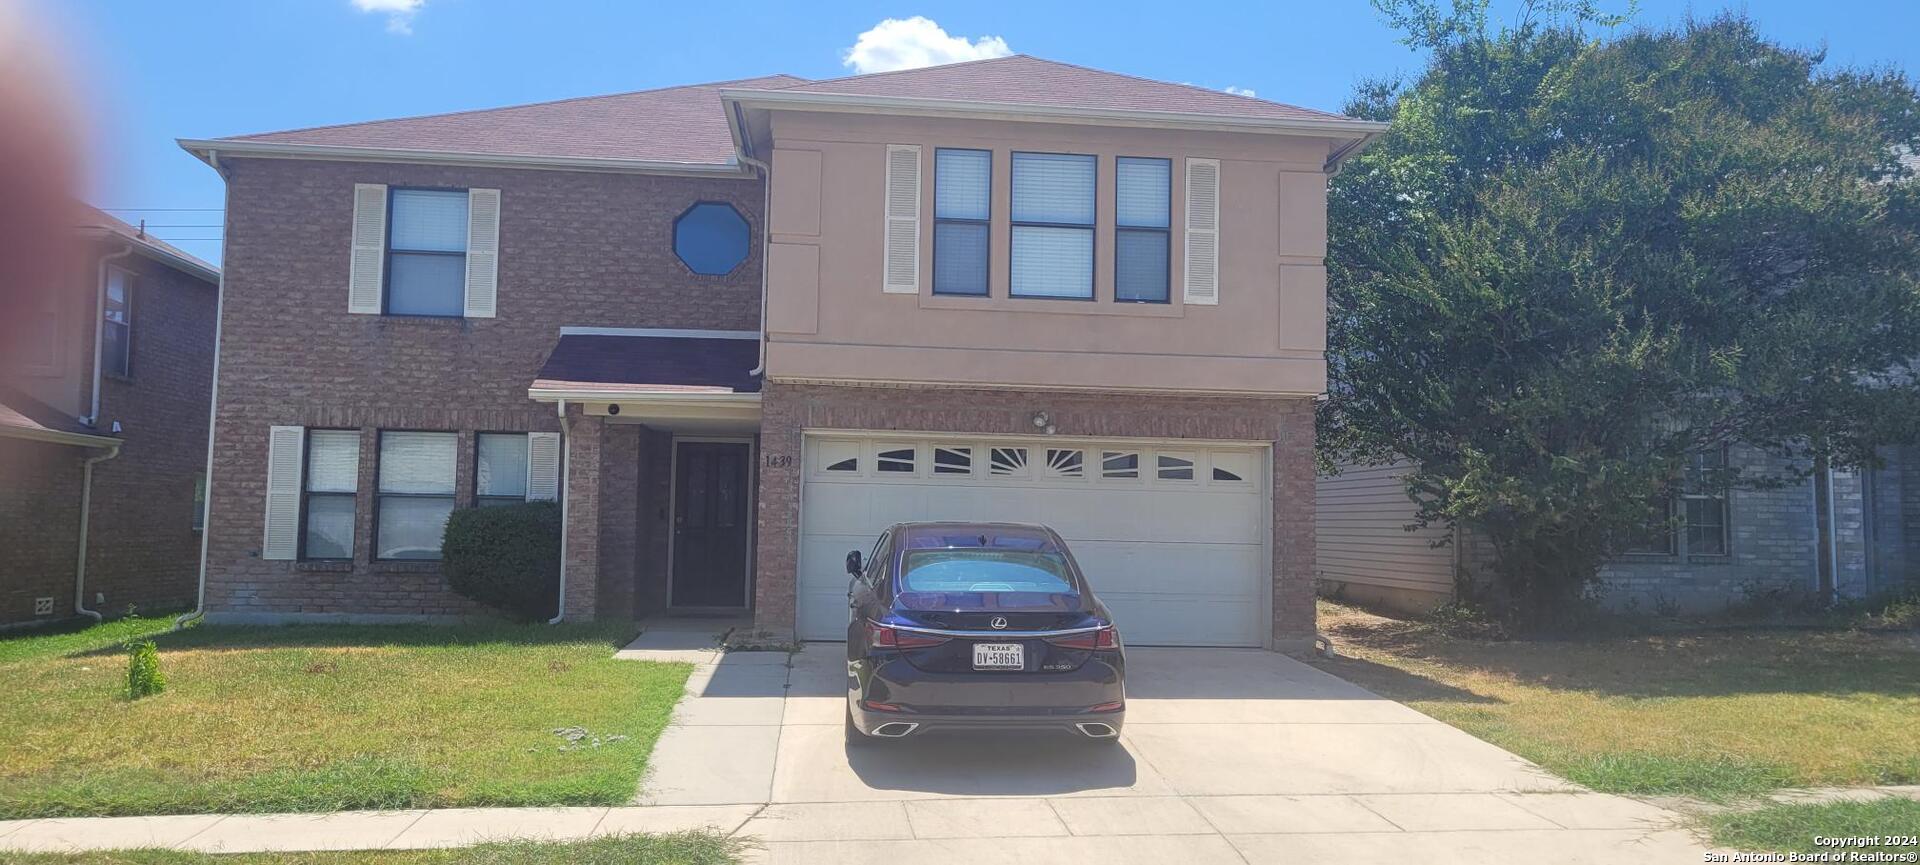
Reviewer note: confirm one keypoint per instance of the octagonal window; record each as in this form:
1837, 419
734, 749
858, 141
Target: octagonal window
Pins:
711, 238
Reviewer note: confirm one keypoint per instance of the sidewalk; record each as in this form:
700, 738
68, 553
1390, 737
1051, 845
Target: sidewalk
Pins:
361, 830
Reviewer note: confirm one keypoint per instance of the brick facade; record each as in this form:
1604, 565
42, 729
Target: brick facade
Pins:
1772, 545
787, 410
577, 249
143, 550
39, 527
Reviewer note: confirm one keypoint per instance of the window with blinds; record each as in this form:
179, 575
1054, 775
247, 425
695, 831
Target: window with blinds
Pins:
333, 478
962, 201
116, 324
1053, 217
427, 252
416, 493
1143, 229
500, 469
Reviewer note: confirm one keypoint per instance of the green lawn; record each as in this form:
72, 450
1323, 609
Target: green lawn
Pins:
1714, 715
319, 718
1791, 828
683, 849
77, 637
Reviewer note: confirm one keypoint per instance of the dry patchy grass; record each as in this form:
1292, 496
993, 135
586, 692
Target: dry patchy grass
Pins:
1711, 714
693, 848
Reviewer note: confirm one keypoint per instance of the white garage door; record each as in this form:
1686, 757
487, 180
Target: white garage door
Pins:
1172, 537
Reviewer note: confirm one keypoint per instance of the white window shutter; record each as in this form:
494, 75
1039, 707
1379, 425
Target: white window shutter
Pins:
543, 466
369, 248
286, 451
902, 240
1203, 232
483, 251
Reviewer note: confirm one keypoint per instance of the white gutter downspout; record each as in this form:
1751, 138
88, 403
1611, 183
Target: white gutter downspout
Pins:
1833, 540
766, 246
86, 509
213, 399
99, 328
566, 463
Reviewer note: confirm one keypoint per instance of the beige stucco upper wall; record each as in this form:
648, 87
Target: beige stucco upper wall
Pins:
828, 318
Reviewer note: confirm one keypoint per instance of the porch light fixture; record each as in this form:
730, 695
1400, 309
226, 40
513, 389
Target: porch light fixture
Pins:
613, 408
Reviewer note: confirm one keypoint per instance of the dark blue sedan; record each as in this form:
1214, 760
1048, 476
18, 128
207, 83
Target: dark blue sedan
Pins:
978, 625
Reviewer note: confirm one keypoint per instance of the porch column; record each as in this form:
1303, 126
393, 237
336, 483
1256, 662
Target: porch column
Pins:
777, 529
583, 514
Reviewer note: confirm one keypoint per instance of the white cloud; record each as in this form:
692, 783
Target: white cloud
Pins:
1241, 91
399, 12
913, 43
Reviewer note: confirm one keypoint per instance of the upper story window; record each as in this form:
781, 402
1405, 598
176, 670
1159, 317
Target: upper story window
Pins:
427, 252
711, 238
962, 196
1053, 218
1143, 229
116, 323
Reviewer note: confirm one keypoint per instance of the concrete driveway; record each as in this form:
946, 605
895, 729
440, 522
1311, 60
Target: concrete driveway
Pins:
1235, 756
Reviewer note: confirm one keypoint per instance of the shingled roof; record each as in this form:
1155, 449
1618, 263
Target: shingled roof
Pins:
688, 126
1025, 80
673, 124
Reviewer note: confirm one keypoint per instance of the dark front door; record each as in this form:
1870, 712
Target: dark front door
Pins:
710, 524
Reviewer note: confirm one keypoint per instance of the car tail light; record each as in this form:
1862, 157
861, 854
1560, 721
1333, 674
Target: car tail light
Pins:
884, 637
1104, 638
1114, 706
876, 706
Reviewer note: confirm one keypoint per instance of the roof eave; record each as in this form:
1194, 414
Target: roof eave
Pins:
193, 266
203, 149
774, 99
41, 434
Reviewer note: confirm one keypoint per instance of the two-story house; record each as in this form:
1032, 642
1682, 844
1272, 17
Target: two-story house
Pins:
103, 429
738, 329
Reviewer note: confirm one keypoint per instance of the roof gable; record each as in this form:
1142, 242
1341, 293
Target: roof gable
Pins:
673, 124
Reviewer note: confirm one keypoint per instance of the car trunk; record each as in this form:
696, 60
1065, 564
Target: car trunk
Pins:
1035, 654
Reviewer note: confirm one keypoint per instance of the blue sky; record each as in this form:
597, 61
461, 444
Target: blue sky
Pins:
151, 72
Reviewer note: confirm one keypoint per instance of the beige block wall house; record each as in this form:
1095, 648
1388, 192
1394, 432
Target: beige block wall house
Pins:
739, 328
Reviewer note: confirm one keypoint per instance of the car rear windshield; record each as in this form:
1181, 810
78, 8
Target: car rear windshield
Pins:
1015, 579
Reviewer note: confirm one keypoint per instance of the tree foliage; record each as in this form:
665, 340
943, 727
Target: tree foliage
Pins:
1574, 261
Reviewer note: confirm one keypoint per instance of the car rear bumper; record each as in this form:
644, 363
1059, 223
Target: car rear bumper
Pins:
1070, 701
897, 725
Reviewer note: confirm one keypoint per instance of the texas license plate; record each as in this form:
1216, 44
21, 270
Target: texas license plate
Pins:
999, 656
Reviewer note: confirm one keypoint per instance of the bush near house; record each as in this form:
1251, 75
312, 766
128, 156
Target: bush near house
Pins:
507, 557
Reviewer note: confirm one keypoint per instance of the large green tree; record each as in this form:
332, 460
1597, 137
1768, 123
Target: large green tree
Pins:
1577, 259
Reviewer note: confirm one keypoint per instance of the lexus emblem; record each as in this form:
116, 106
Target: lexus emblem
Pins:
998, 623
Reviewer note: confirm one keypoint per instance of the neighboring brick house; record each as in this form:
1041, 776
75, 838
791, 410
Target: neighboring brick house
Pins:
739, 328
106, 402
1724, 547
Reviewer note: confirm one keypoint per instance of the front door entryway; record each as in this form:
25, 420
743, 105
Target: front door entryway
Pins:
711, 524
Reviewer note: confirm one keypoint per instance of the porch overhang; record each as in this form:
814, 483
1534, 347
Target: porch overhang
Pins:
673, 379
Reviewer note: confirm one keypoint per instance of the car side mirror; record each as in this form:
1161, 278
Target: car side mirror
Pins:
853, 563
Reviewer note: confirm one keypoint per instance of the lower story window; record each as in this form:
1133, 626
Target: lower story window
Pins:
333, 477
416, 493
500, 469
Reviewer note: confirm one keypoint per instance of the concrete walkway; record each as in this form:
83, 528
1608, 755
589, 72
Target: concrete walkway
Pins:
1240, 757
